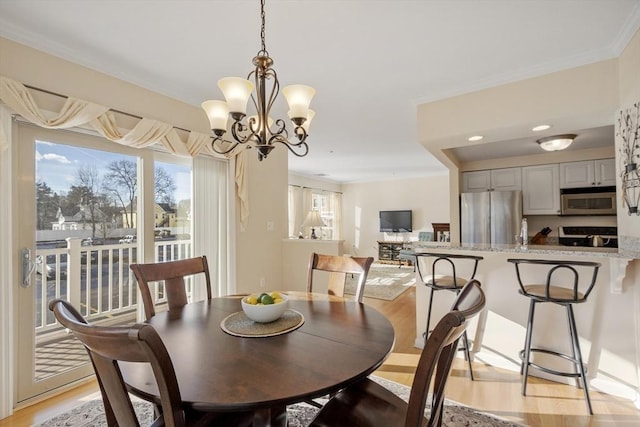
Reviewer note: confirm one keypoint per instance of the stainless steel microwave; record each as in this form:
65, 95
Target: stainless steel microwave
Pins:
588, 201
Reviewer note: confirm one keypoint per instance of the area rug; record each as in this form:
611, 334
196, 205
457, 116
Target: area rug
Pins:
91, 413
385, 281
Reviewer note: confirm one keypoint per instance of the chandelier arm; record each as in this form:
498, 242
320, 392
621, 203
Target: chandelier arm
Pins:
279, 129
291, 147
238, 127
275, 89
301, 133
220, 139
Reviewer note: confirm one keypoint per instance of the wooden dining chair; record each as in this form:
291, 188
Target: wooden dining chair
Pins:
107, 345
173, 274
338, 268
367, 403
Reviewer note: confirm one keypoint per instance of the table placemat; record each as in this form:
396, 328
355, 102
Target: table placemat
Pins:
239, 325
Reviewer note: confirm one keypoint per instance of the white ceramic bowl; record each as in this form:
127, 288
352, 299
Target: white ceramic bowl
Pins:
265, 313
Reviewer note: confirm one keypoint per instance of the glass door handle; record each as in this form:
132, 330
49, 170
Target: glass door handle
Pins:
27, 267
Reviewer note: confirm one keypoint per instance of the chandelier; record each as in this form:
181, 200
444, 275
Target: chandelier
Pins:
259, 130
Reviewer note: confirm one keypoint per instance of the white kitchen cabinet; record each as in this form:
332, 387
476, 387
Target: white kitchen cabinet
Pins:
507, 179
541, 190
605, 172
588, 173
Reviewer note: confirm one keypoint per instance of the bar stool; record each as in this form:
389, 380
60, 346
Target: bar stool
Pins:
564, 295
452, 282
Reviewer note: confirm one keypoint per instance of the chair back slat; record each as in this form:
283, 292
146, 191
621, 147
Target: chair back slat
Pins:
339, 267
173, 274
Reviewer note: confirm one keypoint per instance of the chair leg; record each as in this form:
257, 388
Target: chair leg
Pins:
527, 347
576, 346
467, 354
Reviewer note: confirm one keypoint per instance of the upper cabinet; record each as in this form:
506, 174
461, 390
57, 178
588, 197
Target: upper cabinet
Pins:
540, 190
589, 173
508, 179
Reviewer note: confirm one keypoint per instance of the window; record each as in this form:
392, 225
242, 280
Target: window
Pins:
328, 203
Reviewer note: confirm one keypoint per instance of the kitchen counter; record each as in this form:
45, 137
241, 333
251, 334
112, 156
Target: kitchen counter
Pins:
531, 249
499, 333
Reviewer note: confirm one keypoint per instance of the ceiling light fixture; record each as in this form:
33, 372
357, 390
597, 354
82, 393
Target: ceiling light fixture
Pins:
556, 142
258, 130
475, 138
540, 128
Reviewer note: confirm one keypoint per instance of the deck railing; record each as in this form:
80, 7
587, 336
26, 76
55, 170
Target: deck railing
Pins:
95, 279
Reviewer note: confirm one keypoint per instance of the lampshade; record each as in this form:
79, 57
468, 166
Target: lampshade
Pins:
236, 91
556, 142
218, 113
298, 97
313, 219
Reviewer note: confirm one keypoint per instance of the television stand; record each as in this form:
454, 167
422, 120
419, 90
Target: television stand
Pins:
389, 253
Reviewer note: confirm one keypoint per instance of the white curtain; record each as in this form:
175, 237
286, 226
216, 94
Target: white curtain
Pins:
295, 210
337, 216
210, 221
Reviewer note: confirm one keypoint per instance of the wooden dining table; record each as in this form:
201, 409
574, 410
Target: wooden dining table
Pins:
339, 343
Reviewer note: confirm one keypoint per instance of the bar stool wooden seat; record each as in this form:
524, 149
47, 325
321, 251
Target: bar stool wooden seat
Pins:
563, 287
443, 276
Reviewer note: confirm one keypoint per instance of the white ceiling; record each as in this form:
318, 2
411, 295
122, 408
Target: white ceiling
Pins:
371, 62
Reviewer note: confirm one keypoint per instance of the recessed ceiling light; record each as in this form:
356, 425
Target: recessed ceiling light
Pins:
540, 128
475, 138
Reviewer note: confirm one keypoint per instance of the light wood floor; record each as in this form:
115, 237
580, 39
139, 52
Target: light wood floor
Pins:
547, 404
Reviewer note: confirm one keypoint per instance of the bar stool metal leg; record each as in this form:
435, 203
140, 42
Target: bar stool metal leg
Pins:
465, 340
527, 348
467, 354
576, 346
426, 334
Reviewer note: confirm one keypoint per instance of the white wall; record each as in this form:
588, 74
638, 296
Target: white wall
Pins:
629, 69
427, 197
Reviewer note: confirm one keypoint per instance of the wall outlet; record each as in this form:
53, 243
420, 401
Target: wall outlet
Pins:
263, 282
270, 226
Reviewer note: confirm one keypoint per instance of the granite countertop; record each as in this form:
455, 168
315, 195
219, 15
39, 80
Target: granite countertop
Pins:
531, 249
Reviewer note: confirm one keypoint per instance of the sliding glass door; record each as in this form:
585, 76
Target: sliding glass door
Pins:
77, 223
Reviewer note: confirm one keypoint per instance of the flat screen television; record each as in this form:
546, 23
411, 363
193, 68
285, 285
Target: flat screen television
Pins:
396, 221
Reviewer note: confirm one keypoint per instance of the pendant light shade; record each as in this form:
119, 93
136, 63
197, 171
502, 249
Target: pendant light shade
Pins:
236, 91
298, 97
218, 113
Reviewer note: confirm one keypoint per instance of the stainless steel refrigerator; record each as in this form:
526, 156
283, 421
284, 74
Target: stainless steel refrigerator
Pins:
490, 217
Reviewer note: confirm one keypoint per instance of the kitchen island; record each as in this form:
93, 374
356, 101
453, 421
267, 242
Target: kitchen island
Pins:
607, 324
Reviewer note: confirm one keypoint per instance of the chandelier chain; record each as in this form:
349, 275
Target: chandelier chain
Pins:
262, 32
